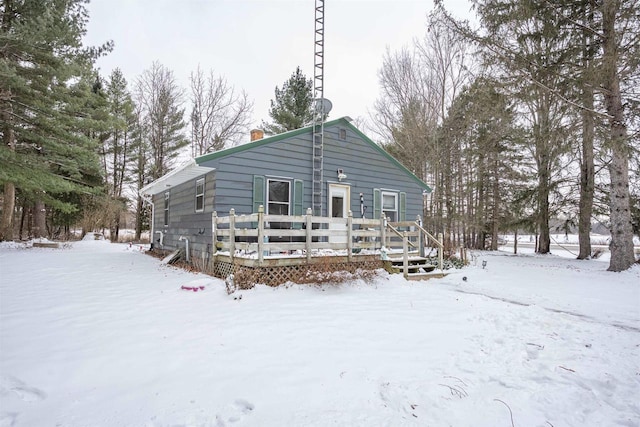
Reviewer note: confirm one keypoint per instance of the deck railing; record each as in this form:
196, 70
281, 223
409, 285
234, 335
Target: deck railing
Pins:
261, 234
411, 237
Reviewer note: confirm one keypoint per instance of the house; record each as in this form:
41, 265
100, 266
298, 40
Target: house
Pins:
276, 172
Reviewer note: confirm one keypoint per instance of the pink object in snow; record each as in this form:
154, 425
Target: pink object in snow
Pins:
192, 288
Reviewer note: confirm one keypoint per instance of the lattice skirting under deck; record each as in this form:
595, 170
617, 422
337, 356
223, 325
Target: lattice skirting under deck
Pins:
246, 277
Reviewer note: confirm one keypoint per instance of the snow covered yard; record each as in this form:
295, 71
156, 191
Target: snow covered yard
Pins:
100, 334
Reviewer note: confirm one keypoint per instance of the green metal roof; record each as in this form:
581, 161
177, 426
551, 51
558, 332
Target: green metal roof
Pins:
344, 121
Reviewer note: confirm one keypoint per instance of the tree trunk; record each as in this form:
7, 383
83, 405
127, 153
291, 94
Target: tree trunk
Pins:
621, 246
139, 214
587, 180
543, 160
587, 170
39, 220
23, 216
544, 242
8, 206
495, 211
114, 227
9, 195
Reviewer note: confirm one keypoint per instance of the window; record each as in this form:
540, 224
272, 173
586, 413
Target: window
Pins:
343, 134
166, 208
200, 195
278, 197
390, 205
278, 200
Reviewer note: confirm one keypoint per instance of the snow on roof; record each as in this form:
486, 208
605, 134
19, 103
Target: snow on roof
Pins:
181, 174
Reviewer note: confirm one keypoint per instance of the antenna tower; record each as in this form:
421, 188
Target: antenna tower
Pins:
319, 108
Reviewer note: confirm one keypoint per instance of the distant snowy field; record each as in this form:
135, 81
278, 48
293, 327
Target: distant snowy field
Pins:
99, 334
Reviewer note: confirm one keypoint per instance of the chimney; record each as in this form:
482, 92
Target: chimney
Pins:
256, 134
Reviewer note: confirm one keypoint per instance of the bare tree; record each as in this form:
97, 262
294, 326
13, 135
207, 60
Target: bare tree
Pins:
447, 57
405, 115
418, 87
220, 116
157, 136
161, 99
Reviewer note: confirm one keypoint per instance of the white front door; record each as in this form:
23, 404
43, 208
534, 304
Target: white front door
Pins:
339, 202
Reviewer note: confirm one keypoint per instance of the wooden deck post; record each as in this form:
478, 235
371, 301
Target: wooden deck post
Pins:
440, 250
260, 234
308, 241
350, 236
405, 255
421, 242
214, 231
232, 232
383, 230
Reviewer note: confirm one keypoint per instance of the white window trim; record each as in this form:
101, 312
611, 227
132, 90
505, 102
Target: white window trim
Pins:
198, 182
268, 201
395, 197
165, 211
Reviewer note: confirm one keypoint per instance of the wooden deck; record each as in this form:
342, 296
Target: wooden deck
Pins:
245, 244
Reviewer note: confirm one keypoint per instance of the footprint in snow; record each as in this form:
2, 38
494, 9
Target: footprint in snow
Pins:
240, 407
243, 406
10, 384
8, 419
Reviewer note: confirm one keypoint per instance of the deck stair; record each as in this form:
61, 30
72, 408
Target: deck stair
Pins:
404, 244
418, 268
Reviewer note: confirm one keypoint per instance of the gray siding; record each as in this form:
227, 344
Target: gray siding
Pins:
234, 183
366, 169
183, 218
231, 184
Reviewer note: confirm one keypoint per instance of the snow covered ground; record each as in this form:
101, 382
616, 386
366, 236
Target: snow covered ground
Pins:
100, 334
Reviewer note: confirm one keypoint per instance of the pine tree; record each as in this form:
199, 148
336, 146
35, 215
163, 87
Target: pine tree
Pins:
480, 129
293, 105
117, 148
139, 168
47, 147
576, 70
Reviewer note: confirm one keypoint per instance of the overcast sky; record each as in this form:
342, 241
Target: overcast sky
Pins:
257, 44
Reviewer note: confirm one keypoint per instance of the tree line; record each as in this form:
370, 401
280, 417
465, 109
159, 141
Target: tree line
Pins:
527, 116
78, 146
